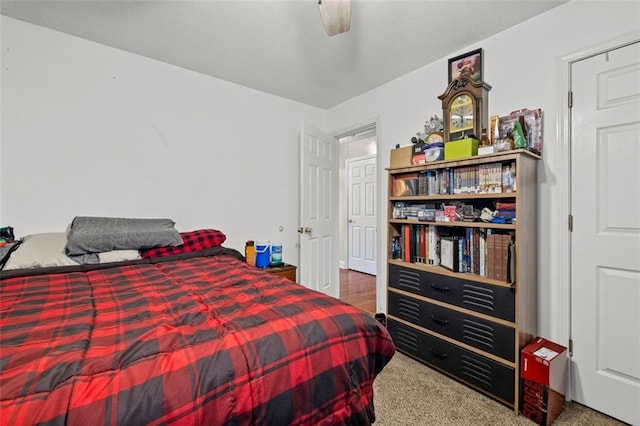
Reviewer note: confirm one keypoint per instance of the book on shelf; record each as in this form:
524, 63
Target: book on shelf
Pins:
422, 183
475, 245
499, 248
491, 255
482, 249
469, 250
406, 185
422, 244
406, 239
504, 254
504, 205
396, 247
511, 270
434, 245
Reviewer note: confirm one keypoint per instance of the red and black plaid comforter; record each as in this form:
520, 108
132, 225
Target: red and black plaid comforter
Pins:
205, 340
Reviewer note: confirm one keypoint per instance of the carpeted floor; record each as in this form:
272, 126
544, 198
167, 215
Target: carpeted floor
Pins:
409, 393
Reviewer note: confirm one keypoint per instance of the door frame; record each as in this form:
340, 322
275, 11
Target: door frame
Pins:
347, 161
381, 272
560, 294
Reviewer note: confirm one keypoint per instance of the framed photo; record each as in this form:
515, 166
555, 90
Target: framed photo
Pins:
466, 65
449, 253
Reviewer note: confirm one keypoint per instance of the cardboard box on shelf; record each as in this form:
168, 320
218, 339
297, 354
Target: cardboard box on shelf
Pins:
543, 376
401, 157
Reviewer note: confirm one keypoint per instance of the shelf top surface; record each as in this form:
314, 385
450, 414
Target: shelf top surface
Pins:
477, 159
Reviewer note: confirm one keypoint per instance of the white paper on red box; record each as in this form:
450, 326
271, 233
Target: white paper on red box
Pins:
546, 354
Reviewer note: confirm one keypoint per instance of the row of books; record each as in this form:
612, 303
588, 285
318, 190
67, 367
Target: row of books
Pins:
417, 244
479, 179
480, 251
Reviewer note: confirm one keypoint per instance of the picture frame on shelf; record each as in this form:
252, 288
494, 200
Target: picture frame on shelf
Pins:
449, 254
468, 64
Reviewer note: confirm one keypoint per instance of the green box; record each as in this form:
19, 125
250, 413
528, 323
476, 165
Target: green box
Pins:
462, 148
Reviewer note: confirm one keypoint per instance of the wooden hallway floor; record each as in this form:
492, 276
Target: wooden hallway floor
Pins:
358, 289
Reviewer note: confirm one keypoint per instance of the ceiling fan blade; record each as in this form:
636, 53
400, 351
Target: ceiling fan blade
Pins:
335, 15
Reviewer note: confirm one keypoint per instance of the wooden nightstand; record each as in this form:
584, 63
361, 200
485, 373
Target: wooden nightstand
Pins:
286, 270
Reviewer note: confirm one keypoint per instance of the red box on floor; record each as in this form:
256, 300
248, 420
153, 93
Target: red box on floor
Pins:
543, 376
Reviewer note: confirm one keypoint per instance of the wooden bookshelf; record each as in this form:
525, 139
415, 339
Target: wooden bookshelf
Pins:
466, 324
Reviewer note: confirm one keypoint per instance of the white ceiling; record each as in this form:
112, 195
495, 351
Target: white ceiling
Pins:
280, 47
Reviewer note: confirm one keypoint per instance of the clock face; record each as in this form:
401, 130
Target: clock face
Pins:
464, 107
461, 114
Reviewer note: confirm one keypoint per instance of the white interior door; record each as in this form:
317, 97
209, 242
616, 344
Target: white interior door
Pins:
319, 211
362, 228
605, 242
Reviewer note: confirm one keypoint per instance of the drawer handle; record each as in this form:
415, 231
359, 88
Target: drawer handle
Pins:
438, 354
439, 288
439, 320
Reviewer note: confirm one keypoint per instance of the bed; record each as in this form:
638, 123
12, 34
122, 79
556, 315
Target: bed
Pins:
181, 335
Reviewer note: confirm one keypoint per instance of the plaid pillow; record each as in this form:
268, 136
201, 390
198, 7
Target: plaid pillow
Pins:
191, 241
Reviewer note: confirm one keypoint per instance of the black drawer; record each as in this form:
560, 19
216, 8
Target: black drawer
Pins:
487, 374
488, 336
488, 299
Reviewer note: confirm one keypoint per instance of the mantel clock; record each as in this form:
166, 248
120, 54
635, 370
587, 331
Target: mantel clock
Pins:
465, 108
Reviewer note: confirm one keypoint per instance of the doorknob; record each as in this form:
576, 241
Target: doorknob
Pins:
350, 220
304, 230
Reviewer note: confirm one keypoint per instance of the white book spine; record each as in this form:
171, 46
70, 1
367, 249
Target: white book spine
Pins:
434, 255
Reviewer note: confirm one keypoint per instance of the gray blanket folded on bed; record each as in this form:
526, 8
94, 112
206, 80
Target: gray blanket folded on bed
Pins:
89, 235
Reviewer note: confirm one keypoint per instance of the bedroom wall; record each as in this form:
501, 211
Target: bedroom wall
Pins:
92, 130
522, 64
88, 129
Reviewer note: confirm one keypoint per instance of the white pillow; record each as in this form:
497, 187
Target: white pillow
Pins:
48, 249
118, 255
39, 251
